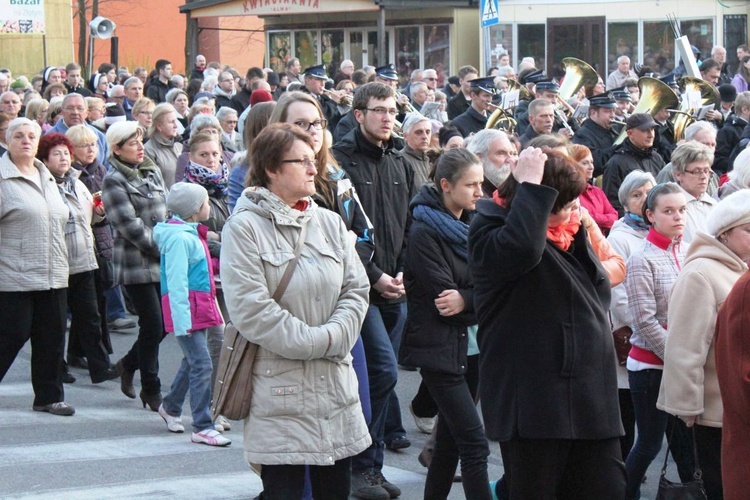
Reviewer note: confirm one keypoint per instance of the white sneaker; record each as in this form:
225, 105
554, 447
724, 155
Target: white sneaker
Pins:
174, 424
424, 424
222, 422
211, 437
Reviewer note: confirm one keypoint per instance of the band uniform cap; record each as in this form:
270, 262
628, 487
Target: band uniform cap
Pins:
641, 121
548, 85
318, 71
605, 100
670, 80
535, 77
388, 72
621, 94
486, 83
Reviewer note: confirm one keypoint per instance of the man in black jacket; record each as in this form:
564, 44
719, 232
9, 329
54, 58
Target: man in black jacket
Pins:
73, 81
224, 90
241, 99
462, 100
729, 135
474, 119
385, 184
635, 153
315, 82
160, 84
596, 133
541, 120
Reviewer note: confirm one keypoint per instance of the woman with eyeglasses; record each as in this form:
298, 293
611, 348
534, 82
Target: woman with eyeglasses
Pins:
143, 111
230, 138
691, 165
91, 173
135, 196
303, 373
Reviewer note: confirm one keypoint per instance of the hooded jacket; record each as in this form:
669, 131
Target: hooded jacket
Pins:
627, 158
431, 341
223, 99
689, 385
305, 405
385, 185
188, 294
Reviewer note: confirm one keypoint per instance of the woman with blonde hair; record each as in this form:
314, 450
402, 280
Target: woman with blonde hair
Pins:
36, 110
135, 196
143, 110
164, 146
179, 99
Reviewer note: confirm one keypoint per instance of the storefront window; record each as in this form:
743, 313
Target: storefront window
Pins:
531, 43
332, 50
279, 43
306, 47
499, 41
407, 51
658, 47
373, 47
622, 41
437, 53
700, 32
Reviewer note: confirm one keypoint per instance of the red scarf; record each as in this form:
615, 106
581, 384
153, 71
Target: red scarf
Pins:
561, 236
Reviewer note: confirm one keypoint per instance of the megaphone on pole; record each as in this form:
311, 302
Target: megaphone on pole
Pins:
101, 27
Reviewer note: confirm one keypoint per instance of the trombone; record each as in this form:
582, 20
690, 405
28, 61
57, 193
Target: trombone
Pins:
408, 107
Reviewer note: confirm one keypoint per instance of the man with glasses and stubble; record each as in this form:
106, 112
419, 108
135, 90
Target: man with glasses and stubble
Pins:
385, 184
74, 112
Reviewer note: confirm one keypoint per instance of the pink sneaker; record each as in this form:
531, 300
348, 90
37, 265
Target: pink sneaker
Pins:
210, 437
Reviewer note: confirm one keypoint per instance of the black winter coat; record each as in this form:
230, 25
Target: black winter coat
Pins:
457, 106
726, 139
385, 185
626, 159
92, 177
546, 356
599, 140
431, 341
470, 122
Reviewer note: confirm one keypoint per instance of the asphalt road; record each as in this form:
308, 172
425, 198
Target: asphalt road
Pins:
114, 449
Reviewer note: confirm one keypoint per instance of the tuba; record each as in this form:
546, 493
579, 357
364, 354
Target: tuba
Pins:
523, 92
655, 96
577, 74
501, 119
683, 118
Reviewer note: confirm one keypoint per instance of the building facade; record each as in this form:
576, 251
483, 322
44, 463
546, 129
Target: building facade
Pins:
599, 32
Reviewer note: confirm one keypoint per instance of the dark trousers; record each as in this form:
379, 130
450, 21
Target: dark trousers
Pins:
423, 404
285, 482
394, 319
85, 320
382, 373
564, 469
708, 442
627, 416
40, 316
144, 355
652, 425
459, 433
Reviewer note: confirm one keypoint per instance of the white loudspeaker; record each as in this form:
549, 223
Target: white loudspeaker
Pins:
101, 27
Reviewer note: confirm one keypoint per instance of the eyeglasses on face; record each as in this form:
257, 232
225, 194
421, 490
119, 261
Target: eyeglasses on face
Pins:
307, 126
699, 172
383, 111
305, 162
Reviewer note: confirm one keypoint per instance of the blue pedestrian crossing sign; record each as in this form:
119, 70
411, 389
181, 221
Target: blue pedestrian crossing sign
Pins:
489, 12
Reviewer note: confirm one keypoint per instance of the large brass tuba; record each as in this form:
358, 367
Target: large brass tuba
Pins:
683, 118
502, 119
655, 96
577, 74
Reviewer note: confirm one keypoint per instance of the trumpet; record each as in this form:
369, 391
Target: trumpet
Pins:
408, 107
341, 100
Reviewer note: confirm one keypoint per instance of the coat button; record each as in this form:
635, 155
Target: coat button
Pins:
268, 372
150, 195
322, 377
462, 367
317, 299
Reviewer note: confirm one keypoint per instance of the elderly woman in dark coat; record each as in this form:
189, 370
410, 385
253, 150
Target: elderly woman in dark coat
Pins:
547, 364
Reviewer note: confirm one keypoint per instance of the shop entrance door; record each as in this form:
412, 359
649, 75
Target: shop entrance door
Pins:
580, 37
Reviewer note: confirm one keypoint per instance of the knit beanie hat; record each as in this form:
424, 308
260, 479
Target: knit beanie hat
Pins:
260, 95
18, 84
732, 211
113, 113
185, 199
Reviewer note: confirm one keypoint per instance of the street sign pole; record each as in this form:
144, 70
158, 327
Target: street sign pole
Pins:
489, 15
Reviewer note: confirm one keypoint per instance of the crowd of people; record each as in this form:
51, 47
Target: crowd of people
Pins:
563, 259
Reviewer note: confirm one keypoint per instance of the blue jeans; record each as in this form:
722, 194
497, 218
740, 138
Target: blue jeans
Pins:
115, 304
194, 374
382, 371
652, 423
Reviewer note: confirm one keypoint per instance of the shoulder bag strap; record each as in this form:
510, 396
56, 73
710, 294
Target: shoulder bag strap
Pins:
289, 271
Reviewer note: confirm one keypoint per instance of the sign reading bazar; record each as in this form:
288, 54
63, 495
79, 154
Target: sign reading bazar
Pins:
281, 7
22, 16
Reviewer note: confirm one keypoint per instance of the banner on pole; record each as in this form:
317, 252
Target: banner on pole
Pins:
22, 17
